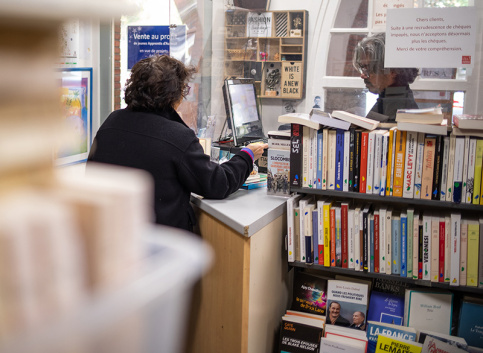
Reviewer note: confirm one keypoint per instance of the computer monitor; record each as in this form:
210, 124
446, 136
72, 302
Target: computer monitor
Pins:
242, 111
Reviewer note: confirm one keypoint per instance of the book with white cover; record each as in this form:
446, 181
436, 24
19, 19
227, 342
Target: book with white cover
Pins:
377, 162
420, 116
440, 129
427, 246
332, 344
350, 296
291, 203
298, 118
345, 336
434, 248
447, 248
331, 161
468, 121
363, 122
302, 204
370, 162
470, 179
451, 156
465, 168
351, 237
305, 155
415, 241
455, 226
385, 141
325, 119
409, 167
325, 152
345, 181
467, 132
463, 251
432, 344
444, 169
418, 171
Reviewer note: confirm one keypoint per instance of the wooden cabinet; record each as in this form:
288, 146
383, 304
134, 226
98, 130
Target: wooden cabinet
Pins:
269, 47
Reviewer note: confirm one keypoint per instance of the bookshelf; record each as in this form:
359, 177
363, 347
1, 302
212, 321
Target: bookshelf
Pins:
269, 47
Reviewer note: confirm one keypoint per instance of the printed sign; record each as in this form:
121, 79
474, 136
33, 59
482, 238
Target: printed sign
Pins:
259, 24
145, 41
291, 84
380, 12
430, 37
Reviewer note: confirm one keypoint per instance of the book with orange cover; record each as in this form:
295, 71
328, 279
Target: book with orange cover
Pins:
399, 161
390, 162
428, 167
363, 164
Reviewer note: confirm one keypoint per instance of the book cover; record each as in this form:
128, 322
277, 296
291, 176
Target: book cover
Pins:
296, 155
333, 344
451, 156
338, 235
326, 119
371, 145
408, 183
458, 169
399, 155
444, 169
352, 156
473, 252
428, 167
440, 129
345, 335
477, 175
455, 224
370, 256
344, 214
320, 230
291, 203
442, 251
344, 299
382, 239
434, 256
420, 116
331, 160
433, 344
426, 250
390, 161
469, 323
463, 251
390, 286
395, 245
418, 167
455, 341
299, 119
320, 153
385, 145
305, 156
278, 172
470, 179
339, 160
315, 235
327, 233
374, 329
363, 162
465, 169
439, 146
428, 310
361, 121
309, 293
299, 338
345, 168
404, 242
391, 344
357, 159
386, 308
303, 203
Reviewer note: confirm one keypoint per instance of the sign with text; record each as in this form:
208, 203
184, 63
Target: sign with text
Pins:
291, 84
431, 37
259, 24
146, 41
380, 12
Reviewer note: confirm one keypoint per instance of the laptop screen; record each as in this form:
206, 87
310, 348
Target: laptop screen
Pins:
242, 110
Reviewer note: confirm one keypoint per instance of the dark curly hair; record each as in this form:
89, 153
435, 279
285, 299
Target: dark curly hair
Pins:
156, 83
374, 48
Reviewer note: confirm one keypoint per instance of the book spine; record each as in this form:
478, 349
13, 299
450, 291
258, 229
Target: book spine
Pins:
428, 166
314, 140
421, 249
327, 233
305, 156
296, 232
315, 236
455, 249
332, 237
434, 248
339, 160
451, 156
325, 154
473, 244
290, 227
365, 240
426, 247
399, 163
338, 237
307, 219
444, 169
357, 239
370, 162
345, 168
296, 155
478, 169
344, 214
442, 250
465, 169
435, 194
418, 168
404, 242
361, 240
320, 231
331, 161
409, 242
463, 252
447, 249
382, 188
471, 171
377, 163
352, 139
363, 163
370, 248
351, 238
458, 169
320, 152
357, 159
415, 241
382, 240
408, 184
388, 250
390, 161
302, 204
376, 241
480, 255
395, 245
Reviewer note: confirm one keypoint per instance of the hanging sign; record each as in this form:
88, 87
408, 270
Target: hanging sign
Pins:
146, 41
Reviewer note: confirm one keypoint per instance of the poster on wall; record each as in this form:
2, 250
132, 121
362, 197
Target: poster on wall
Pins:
259, 24
69, 39
75, 98
431, 37
380, 12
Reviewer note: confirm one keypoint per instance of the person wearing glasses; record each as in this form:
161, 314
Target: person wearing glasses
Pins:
150, 135
391, 84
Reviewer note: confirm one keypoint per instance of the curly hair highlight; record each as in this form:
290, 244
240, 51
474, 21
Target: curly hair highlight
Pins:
156, 83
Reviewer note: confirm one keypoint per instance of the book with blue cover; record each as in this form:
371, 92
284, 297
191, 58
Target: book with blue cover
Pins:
386, 307
315, 237
339, 160
371, 243
374, 329
404, 242
320, 154
470, 324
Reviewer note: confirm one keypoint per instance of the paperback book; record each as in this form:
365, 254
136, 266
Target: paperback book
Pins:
309, 293
345, 298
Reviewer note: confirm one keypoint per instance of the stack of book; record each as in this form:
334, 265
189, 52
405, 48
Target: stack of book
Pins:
255, 181
430, 121
468, 125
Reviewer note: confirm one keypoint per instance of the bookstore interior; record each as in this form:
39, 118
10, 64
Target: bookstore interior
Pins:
360, 228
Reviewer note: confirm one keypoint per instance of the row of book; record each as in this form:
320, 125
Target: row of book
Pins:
392, 162
426, 245
345, 314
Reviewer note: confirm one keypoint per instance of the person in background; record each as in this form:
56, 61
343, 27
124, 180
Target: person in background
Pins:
358, 320
334, 315
150, 135
391, 84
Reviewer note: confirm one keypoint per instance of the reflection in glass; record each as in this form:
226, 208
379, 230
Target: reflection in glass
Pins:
351, 14
352, 100
341, 49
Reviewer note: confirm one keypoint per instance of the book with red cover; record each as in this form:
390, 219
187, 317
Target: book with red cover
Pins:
332, 237
376, 241
344, 213
441, 249
363, 163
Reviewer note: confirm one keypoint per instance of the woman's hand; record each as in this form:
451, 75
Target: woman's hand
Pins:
257, 149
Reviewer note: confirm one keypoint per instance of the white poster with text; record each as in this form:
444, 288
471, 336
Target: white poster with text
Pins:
380, 12
430, 37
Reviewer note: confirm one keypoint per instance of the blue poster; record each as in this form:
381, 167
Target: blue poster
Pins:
145, 41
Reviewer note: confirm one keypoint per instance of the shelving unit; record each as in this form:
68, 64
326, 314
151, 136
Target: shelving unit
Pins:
265, 45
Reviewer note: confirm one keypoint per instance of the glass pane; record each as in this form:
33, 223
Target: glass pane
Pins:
351, 14
451, 102
352, 100
339, 61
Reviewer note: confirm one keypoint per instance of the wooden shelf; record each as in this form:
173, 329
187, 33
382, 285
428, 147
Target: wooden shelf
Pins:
362, 274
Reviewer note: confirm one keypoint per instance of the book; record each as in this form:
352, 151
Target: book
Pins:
466, 132
468, 121
473, 253
390, 160
388, 250
399, 155
344, 215
442, 249
371, 145
357, 238
292, 202
415, 245
299, 118
447, 248
332, 235
463, 251
303, 203
296, 337
409, 167
382, 239
390, 286
384, 161
278, 172
395, 245
363, 162
351, 228
480, 251
418, 167
455, 224
296, 232
308, 232
354, 119
345, 298
391, 344
357, 159
433, 344
465, 169
296, 155
440, 129
365, 237
455, 341
315, 235
370, 248
444, 169
478, 170
338, 235
458, 169
279, 139
451, 156
309, 293
420, 116
438, 154
377, 242
325, 153
374, 329
325, 119
331, 159
470, 178
327, 233
385, 307
434, 256
320, 230
306, 138
319, 158
469, 323
345, 168
426, 246
409, 242
339, 160
352, 157
334, 344
428, 310
404, 242
428, 167
345, 335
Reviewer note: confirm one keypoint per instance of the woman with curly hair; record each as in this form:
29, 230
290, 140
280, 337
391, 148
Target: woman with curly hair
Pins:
150, 135
391, 84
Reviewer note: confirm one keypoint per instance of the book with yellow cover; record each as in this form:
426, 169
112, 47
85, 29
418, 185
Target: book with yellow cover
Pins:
399, 345
472, 255
390, 162
399, 162
326, 218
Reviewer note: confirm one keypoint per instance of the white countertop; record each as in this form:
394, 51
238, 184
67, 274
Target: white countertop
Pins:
246, 211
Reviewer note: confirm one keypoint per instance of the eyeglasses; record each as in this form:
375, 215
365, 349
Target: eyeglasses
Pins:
186, 90
364, 70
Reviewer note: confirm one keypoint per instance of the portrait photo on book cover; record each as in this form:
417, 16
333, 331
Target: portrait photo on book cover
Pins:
346, 314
